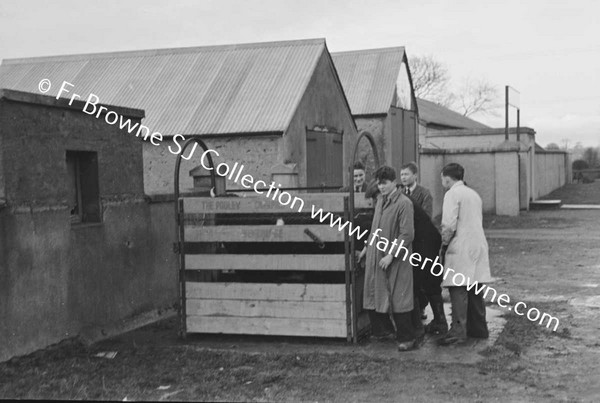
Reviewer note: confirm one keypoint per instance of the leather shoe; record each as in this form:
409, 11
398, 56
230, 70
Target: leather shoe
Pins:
478, 336
383, 337
450, 339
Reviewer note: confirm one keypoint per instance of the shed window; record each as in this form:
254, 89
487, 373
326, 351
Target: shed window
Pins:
84, 195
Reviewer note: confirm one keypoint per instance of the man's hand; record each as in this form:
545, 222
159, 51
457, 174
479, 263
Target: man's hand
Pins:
385, 262
360, 255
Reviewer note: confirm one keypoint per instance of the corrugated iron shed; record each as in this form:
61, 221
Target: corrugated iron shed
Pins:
369, 78
431, 113
247, 88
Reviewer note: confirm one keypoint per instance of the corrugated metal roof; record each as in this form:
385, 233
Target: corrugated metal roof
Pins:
245, 88
369, 78
432, 113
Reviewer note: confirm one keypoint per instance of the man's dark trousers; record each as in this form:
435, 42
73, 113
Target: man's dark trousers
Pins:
468, 313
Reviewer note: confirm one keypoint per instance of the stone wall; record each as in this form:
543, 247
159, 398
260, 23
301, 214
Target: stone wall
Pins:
552, 170
492, 173
257, 154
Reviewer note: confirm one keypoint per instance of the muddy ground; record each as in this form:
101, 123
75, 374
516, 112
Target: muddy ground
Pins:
549, 259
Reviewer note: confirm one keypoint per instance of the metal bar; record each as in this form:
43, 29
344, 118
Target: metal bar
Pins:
506, 113
336, 188
182, 301
179, 229
353, 272
347, 272
518, 124
350, 212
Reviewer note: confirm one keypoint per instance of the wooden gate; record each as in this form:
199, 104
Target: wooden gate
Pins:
270, 281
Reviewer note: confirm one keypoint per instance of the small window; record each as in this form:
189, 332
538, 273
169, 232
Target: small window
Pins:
84, 194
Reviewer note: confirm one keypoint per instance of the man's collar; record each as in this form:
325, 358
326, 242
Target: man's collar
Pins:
457, 183
413, 187
392, 195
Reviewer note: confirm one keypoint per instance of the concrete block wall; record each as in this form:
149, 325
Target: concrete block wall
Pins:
479, 138
551, 171
492, 173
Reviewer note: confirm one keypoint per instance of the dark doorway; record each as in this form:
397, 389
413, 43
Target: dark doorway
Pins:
324, 159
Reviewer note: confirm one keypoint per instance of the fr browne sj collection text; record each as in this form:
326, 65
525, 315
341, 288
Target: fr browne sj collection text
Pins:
91, 107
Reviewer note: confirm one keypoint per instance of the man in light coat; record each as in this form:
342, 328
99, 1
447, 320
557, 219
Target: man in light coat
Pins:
466, 256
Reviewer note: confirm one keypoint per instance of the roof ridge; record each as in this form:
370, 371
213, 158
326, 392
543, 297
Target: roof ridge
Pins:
447, 110
158, 52
376, 50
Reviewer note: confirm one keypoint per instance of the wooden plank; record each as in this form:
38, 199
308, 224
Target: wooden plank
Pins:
267, 326
262, 233
266, 262
267, 309
266, 291
297, 203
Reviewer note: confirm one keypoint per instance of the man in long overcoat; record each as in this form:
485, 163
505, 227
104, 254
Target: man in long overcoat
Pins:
388, 274
466, 253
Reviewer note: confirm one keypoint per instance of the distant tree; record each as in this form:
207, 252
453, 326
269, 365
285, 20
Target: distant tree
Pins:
476, 97
577, 150
552, 146
431, 82
579, 164
590, 155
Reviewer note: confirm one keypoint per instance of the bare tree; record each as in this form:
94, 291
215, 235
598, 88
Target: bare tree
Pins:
552, 146
477, 96
430, 80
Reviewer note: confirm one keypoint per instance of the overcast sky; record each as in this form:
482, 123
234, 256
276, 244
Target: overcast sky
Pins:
548, 50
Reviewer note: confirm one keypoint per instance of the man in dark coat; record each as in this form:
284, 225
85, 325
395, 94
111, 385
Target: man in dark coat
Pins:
422, 197
427, 243
408, 177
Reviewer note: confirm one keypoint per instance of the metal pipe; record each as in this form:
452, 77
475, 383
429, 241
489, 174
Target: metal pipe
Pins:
518, 124
350, 216
506, 113
180, 233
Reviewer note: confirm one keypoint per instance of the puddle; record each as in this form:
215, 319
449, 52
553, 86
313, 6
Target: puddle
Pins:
590, 302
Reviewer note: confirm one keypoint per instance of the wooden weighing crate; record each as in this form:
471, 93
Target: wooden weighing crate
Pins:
270, 308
